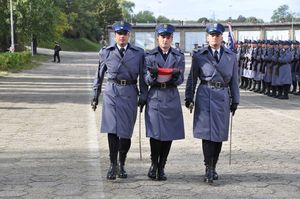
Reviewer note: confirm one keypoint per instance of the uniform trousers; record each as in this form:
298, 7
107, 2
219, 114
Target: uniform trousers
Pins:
118, 145
211, 151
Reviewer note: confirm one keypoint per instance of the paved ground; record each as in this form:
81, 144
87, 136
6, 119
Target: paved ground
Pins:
50, 146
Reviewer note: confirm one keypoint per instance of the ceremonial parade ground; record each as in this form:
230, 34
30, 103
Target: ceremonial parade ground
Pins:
50, 145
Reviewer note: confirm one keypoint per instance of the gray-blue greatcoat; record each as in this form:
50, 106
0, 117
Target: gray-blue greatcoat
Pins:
120, 102
269, 65
163, 115
212, 105
285, 72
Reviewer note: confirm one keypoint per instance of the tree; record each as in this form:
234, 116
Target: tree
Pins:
108, 11
252, 20
127, 10
4, 24
145, 17
282, 14
203, 20
39, 20
241, 19
162, 19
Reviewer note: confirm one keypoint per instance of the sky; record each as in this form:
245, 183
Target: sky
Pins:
215, 9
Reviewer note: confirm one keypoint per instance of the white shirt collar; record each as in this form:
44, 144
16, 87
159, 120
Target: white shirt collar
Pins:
213, 50
119, 47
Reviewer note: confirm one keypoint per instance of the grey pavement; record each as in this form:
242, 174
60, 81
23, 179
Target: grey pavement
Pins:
50, 145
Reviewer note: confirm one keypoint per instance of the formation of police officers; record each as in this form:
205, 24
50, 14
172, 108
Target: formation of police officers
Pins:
137, 79
270, 67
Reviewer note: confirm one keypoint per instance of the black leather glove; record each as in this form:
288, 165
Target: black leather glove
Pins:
153, 72
175, 74
141, 104
94, 103
233, 108
188, 102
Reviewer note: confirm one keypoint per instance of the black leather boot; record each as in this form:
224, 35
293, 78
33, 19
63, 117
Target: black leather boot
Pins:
258, 87
242, 82
161, 169
209, 175
122, 171
152, 171
280, 91
285, 95
263, 87
294, 88
249, 84
112, 171
267, 90
253, 85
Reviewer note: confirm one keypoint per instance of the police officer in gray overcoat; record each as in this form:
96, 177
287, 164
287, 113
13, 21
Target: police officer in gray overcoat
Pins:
217, 94
123, 63
163, 114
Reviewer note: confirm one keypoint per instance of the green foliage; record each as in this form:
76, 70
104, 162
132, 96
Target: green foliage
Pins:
282, 14
108, 11
145, 17
4, 25
203, 20
162, 19
69, 44
9, 61
127, 9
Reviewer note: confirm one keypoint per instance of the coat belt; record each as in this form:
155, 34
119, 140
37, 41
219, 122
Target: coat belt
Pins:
123, 82
164, 85
215, 84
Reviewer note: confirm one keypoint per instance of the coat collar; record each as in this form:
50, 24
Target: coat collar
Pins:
226, 55
171, 60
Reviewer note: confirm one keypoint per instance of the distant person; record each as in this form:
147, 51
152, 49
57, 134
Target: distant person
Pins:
103, 41
195, 49
177, 46
57, 48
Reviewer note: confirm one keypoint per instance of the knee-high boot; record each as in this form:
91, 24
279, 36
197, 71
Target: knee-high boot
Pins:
250, 81
285, 89
294, 87
267, 90
263, 87
155, 147
253, 86
165, 149
280, 91
123, 150
113, 142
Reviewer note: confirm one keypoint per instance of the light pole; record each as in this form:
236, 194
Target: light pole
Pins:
12, 46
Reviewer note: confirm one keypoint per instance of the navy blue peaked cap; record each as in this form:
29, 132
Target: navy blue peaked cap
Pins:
165, 28
121, 26
215, 28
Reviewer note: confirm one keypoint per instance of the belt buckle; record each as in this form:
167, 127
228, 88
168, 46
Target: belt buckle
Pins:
163, 85
123, 82
218, 84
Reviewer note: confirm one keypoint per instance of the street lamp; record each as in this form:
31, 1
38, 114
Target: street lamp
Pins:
12, 46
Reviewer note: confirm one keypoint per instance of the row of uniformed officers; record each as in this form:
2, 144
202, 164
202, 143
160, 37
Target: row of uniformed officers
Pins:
270, 67
158, 73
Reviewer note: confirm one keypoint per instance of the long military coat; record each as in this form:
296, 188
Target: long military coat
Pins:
269, 65
120, 102
285, 72
212, 105
163, 115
